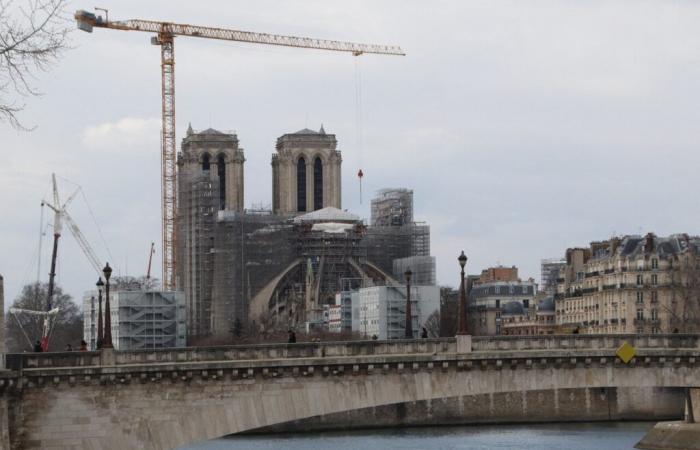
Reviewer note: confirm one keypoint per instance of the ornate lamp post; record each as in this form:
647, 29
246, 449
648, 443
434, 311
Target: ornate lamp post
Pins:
462, 297
98, 340
409, 318
107, 341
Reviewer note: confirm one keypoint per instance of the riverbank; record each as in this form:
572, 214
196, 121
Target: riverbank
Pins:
672, 436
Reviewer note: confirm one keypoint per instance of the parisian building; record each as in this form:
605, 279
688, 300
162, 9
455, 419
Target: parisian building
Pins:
496, 291
631, 284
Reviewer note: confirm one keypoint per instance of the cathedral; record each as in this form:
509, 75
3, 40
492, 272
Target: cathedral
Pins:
244, 267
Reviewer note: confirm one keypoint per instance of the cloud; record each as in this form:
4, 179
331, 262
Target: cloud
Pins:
126, 133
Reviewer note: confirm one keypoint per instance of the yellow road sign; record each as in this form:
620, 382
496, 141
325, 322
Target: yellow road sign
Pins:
626, 352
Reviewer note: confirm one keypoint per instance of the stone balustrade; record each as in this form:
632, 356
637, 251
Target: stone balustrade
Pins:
491, 345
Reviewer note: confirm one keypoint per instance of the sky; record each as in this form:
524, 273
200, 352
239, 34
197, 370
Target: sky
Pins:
523, 128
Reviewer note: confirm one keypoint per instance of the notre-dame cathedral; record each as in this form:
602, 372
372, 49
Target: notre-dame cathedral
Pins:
257, 267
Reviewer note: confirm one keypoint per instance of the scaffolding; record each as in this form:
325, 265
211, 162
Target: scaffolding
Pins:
141, 319
422, 268
392, 207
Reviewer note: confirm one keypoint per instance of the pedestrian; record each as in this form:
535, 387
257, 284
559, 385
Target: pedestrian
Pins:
83, 346
37, 347
69, 348
424, 333
292, 337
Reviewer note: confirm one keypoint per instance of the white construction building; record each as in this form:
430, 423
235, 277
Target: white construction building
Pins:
140, 319
381, 310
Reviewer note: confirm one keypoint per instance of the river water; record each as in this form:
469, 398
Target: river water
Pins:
568, 436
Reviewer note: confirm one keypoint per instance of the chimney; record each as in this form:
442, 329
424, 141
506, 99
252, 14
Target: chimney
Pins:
649, 243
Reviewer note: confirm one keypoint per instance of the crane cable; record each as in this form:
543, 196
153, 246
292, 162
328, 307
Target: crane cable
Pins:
358, 119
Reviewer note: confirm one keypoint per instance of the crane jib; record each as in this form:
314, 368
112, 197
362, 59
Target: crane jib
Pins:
87, 20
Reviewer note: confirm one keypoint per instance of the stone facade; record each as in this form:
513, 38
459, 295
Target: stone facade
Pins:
306, 172
634, 284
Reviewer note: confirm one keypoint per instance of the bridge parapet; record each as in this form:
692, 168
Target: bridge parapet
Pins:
486, 345
584, 342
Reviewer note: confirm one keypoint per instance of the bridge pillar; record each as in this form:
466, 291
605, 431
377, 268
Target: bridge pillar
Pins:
464, 343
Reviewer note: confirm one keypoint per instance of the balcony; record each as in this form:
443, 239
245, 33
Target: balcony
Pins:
609, 271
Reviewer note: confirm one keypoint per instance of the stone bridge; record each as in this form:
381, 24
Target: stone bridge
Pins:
169, 398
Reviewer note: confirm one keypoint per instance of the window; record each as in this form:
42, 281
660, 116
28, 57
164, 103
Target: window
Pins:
526, 303
640, 297
640, 280
654, 279
498, 303
654, 314
654, 263
205, 162
640, 314
497, 289
318, 184
654, 297
221, 170
301, 184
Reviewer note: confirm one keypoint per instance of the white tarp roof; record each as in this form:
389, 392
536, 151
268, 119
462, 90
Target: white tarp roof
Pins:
327, 214
332, 227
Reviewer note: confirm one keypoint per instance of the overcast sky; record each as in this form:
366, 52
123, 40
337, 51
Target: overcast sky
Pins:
523, 127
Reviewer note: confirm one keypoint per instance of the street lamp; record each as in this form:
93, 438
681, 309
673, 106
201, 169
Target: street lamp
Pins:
98, 340
462, 297
107, 341
409, 319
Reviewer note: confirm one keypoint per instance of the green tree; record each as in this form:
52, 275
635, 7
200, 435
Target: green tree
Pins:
67, 324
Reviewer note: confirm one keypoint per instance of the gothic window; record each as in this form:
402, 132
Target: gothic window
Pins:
301, 184
318, 184
221, 169
205, 161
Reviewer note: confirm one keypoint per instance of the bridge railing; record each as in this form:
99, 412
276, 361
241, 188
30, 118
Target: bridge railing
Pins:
336, 349
583, 342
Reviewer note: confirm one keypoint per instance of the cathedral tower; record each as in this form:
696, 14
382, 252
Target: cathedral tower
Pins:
305, 172
217, 154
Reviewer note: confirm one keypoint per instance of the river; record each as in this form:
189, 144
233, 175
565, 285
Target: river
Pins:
569, 436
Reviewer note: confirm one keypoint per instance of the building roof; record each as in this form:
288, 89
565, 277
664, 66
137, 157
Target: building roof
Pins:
327, 214
210, 131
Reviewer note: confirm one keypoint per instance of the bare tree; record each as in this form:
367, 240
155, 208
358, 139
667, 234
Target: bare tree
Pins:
67, 328
129, 283
33, 34
685, 293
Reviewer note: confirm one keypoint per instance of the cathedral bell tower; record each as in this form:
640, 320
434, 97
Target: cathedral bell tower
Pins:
217, 154
305, 172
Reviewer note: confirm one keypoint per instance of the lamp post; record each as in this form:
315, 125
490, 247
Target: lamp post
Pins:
107, 341
98, 340
462, 297
409, 319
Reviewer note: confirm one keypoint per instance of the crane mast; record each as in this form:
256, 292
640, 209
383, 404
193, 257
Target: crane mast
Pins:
165, 37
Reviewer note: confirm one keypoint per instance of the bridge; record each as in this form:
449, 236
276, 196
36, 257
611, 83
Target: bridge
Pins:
168, 398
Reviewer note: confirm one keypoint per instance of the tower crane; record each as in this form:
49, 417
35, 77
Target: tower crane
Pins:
165, 33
